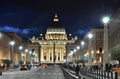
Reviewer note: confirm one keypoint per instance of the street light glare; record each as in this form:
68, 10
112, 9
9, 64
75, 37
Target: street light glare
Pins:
82, 43
12, 43
20, 47
26, 50
90, 35
106, 20
75, 50
78, 47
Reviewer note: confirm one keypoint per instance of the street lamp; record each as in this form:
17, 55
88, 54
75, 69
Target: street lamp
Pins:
26, 50
90, 36
82, 43
78, 47
12, 51
20, 47
82, 52
12, 43
105, 55
75, 50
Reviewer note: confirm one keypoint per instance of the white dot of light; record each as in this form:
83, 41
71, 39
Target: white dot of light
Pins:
75, 50
20, 47
78, 47
90, 35
12, 43
26, 50
33, 53
82, 43
106, 20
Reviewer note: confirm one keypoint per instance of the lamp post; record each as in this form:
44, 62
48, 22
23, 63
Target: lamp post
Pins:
105, 55
20, 48
82, 52
12, 43
90, 36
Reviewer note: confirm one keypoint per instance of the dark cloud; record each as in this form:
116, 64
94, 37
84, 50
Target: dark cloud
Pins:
14, 29
22, 32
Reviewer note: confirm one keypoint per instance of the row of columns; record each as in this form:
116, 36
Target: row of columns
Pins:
50, 50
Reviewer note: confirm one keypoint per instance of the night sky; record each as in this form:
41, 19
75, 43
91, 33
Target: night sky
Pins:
32, 17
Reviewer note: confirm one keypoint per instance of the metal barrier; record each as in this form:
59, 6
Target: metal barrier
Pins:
93, 74
99, 74
68, 75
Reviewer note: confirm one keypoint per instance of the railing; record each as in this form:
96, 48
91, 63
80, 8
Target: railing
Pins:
99, 74
89, 73
68, 75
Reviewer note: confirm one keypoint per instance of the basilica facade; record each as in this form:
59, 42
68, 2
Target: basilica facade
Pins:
52, 46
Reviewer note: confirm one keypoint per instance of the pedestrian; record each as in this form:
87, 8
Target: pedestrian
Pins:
77, 70
0, 70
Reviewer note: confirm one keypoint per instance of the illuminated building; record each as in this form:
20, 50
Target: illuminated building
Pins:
51, 47
8, 52
114, 34
96, 45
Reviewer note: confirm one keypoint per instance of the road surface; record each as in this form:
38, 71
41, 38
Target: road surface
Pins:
52, 72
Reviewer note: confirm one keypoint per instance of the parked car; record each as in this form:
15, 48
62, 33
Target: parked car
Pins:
23, 68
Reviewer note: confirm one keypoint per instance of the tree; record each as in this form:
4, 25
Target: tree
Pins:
115, 55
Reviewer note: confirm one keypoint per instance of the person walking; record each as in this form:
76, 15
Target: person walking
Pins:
77, 70
0, 70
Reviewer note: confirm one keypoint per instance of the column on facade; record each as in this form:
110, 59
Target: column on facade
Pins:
66, 54
61, 54
41, 54
49, 54
56, 53
52, 54
37, 57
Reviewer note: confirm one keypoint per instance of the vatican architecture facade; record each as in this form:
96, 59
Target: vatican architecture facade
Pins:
51, 47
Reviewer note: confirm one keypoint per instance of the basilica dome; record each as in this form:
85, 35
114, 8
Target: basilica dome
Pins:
56, 30
56, 27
